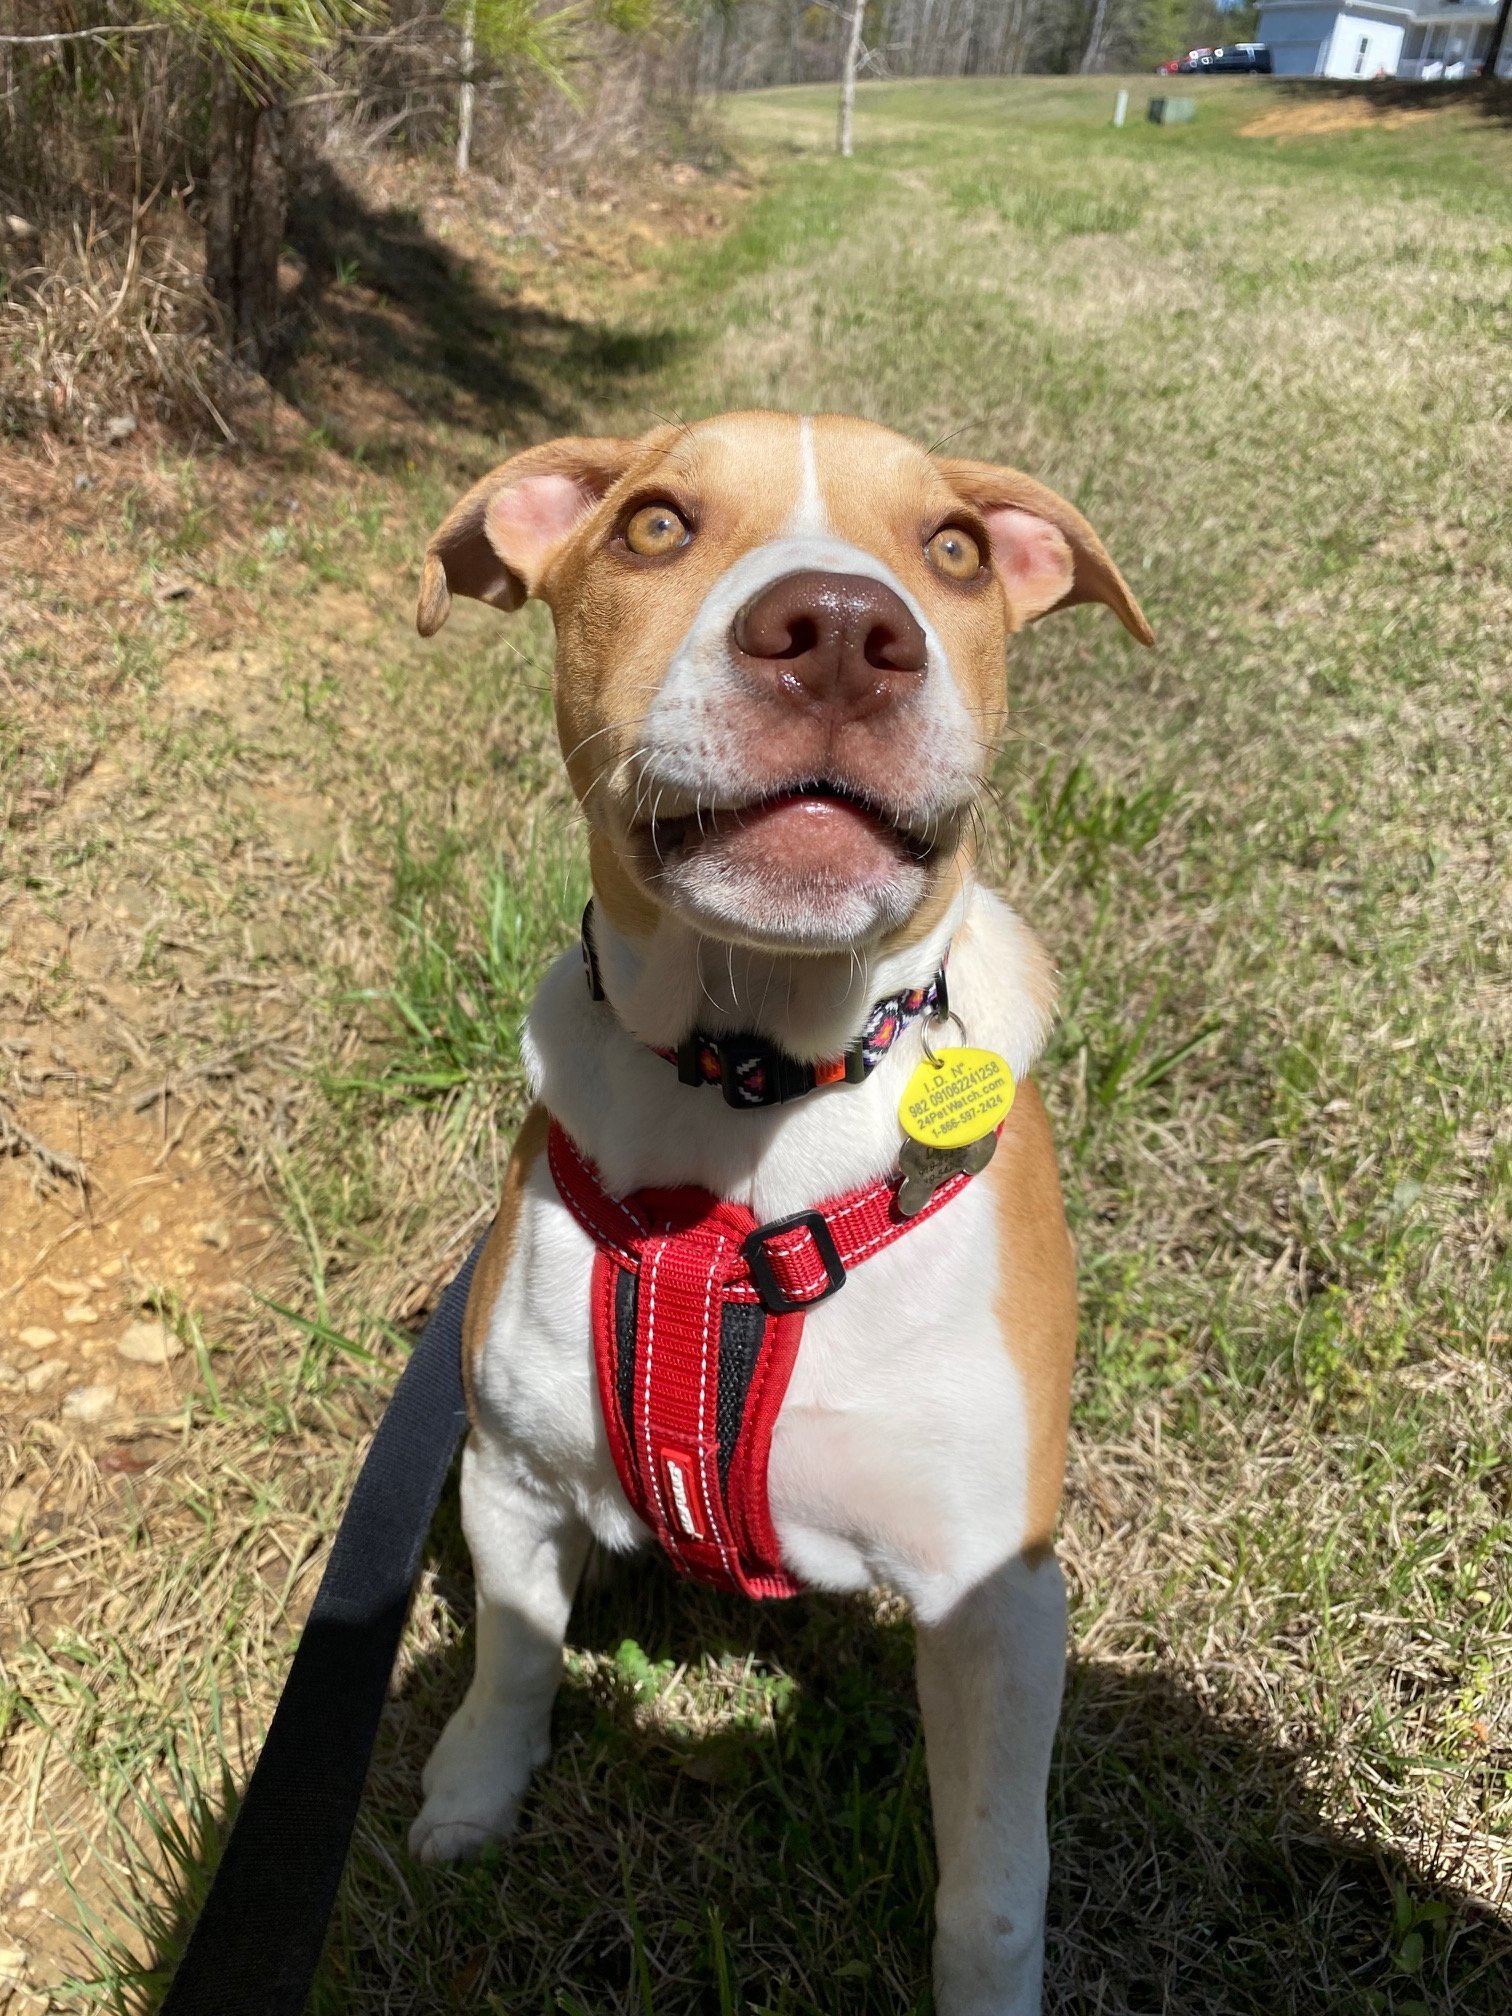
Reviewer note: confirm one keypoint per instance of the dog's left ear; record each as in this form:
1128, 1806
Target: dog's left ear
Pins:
497, 543
1047, 553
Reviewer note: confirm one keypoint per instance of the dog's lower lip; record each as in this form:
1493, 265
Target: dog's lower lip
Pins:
820, 800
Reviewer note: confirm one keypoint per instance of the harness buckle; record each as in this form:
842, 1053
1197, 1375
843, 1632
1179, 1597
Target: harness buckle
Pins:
774, 1297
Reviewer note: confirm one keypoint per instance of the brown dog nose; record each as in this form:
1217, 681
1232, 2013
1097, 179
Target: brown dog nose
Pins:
836, 641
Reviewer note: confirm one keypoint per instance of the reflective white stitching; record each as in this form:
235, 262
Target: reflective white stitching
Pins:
711, 1501
661, 1503
597, 1232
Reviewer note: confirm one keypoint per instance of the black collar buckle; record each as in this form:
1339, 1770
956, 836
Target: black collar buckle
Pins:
774, 1297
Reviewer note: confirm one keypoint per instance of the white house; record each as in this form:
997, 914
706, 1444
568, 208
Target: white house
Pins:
1379, 38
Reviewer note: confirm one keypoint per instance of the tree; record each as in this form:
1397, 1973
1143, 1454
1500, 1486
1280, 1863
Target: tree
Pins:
1095, 39
508, 37
467, 96
848, 77
201, 98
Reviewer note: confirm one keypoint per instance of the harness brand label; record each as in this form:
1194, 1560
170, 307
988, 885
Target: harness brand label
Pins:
682, 1488
960, 1097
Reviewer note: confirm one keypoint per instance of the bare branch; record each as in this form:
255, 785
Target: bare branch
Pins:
104, 33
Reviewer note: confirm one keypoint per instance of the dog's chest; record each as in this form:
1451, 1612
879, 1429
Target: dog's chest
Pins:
899, 1456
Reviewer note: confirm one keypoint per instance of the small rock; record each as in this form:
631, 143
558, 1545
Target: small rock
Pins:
88, 1404
44, 1374
12, 1965
20, 228
70, 1291
173, 588
10, 1375
121, 1462
216, 1233
149, 1342
111, 1269
81, 1312
152, 1224
35, 1338
83, 480
120, 428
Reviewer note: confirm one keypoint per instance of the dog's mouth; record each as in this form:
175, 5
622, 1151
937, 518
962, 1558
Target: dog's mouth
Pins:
817, 861
817, 825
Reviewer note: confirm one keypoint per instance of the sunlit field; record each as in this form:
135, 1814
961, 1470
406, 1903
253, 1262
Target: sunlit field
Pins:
302, 870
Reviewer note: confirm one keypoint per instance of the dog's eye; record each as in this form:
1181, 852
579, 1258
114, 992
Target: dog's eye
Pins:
656, 529
954, 553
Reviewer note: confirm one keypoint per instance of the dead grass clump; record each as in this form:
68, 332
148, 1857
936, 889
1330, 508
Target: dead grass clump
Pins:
95, 337
1296, 122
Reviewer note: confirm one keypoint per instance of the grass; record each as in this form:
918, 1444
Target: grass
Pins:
1268, 859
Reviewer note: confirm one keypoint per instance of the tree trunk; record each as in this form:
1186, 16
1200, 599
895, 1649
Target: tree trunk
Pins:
468, 93
1094, 40
848, 78
244, 213
1492, 62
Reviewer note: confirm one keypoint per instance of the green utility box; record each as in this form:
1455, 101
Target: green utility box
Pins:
1172, 111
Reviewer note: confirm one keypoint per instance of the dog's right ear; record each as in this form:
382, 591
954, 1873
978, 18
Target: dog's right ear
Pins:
498, 541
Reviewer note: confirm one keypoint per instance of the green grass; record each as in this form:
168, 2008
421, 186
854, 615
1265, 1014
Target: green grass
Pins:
1269, 860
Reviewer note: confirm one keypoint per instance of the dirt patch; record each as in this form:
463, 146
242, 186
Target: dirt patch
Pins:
1307, 122
106, 1288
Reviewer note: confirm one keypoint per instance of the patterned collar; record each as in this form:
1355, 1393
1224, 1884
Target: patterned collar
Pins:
753, 1072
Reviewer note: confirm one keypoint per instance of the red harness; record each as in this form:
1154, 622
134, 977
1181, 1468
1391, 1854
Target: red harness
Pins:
697, 1317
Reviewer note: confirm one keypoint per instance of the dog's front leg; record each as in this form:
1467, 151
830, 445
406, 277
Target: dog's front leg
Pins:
528, 1551
990, 1679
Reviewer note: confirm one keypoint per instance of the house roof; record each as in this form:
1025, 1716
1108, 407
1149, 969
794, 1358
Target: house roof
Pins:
1411, 13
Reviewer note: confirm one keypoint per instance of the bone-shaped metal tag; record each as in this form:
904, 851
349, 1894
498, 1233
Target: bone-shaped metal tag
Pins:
925, 1169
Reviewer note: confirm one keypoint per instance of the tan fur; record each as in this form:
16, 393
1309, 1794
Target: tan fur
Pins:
735, 479
664, 694
1036, 1302
498, 1250
1096, 578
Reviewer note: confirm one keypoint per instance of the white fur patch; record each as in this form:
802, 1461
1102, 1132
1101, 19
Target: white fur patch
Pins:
809, 515
690, 737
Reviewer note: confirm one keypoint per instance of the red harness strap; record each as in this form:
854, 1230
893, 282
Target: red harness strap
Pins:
697, 1317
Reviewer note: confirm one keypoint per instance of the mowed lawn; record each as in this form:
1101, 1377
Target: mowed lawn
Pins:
1269, 857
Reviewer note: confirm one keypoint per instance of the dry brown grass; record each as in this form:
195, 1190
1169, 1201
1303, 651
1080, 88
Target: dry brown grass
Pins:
1288, 122
99, 332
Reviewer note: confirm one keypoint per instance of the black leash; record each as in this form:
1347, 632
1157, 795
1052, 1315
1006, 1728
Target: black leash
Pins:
256, 1945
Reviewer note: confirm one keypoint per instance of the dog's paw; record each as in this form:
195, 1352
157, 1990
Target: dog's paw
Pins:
474, 1781
436, 1837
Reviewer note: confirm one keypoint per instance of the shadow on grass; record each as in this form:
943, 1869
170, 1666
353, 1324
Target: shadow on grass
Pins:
422, 338
779, 1857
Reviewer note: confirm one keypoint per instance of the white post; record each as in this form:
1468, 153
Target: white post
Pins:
468, 92
848, 78
1120, 108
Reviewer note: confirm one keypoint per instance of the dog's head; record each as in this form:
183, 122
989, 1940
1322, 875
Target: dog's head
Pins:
779, 677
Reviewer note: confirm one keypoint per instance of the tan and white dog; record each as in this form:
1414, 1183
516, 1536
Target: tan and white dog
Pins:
780, 689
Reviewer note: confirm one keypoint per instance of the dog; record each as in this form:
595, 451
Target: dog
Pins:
779, 690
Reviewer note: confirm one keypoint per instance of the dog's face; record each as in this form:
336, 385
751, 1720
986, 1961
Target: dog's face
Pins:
780, 657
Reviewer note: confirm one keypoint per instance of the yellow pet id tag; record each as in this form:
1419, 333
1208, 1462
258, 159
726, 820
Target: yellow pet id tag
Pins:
950, 1110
